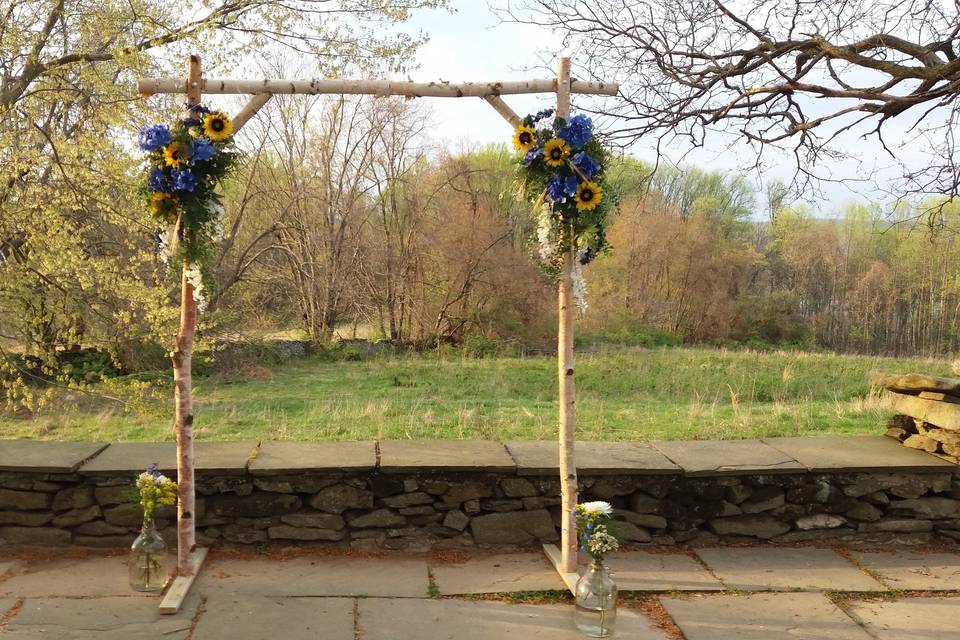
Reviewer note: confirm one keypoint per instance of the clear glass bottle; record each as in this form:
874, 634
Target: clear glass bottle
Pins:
596, 598
148, 560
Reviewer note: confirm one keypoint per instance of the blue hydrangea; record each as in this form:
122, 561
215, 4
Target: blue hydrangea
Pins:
196, 108
577, 132
561, 188
158, 180
532, 155
154, 137
586, 164
183, 180
202, 149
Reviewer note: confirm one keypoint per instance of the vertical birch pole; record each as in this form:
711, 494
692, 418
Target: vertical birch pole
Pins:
568, 418
183, 389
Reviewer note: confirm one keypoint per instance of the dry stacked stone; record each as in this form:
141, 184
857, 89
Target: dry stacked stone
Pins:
928, 412
439, 510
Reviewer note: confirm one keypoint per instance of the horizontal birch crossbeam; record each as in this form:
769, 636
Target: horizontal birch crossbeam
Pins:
151, 86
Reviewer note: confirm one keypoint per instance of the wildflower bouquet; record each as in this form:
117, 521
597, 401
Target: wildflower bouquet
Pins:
156, 490
186, 163
593, 532
561, 172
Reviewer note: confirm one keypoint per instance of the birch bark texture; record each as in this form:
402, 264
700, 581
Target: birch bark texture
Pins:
567, 389
182, 358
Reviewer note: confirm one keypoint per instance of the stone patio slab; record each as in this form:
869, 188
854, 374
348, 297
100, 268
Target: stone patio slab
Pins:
99, 619
786, 569
647, 571
461, 620
402, 456
228, 617
542, 457
74, 578
762, 616
914, 571
498, 574
46, 456
280, 457
395, 577
856, 453
124, 458
909, 618
726, 457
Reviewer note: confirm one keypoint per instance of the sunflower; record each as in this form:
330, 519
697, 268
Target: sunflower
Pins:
555, 152
524, 138
163, 205
217, 126
176, 155
588, 196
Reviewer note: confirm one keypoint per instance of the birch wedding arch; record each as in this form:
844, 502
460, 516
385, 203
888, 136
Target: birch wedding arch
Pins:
563, 177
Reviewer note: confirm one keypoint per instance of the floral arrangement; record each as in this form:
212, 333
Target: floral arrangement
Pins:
561, 172
156, 490
593, 529
186, 163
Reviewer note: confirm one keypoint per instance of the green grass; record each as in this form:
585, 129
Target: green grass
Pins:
636, 394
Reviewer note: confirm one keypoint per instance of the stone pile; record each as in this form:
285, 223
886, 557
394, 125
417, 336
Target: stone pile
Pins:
928, 412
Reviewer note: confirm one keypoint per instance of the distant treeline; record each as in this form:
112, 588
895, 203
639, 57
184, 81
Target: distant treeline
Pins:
344, 222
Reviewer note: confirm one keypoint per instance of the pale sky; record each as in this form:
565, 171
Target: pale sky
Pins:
472, 44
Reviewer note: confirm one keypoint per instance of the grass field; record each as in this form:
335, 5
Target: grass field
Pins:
640, 394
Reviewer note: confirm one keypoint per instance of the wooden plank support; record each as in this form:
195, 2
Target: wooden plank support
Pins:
180, 587
250, 109
152, 86
503, 109
570, 579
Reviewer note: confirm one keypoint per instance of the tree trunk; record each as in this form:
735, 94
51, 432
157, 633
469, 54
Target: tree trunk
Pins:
568, 467
182, 359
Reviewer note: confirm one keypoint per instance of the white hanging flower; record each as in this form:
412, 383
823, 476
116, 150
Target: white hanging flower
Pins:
195, 278
547, 233
168, 243
597, 508
216, 221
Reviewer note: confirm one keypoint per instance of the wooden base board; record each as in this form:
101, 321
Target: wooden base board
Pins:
569, 579
173, 599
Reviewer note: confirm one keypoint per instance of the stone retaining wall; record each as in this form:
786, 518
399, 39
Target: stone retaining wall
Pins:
443, 495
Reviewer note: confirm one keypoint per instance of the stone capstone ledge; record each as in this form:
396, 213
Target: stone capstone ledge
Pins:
452, 494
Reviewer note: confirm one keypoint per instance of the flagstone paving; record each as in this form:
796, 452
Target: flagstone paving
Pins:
237, 617
786, 569
338, 597
117, 618
396, 577
914, 571
910, 618
726, 457
762, 616
497, 574
458, 620
647, 571
72, 577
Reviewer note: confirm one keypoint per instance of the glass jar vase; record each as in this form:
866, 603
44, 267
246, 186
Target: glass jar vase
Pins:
596, 600
148, 560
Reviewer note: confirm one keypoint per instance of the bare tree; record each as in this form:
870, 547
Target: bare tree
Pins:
806, 76
315, 190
